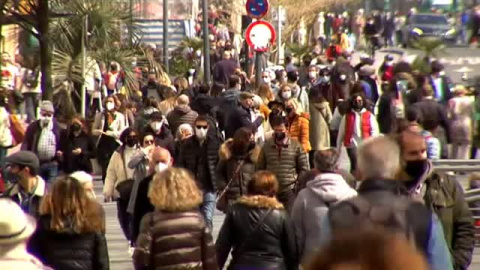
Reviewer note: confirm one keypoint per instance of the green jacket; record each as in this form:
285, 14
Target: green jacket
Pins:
445, 197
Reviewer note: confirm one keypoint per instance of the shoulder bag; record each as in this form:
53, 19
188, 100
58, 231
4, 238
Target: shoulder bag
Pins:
222, 202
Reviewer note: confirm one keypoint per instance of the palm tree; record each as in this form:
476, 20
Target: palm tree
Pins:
431, 47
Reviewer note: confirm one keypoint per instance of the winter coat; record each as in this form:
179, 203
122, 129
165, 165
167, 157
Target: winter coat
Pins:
313, 173
357, 136
70, 162
30, 204
433, 112
445, 197
461, 110
180, 240
387, 113
201, 160
228, 164
268, 246
299, 129
117, 171
223, 70
204, 104
115, 129
320, 118
6, 138
69, 249
138, 163
311, 207
287, 162
32, 136
239, 118
141, 206
142, 119
181, 115
24, 261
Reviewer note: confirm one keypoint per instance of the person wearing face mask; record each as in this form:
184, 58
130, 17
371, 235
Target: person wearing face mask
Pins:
161, 132
242, 116
285, 94
119, 179
199, 155
30, 188
43, 138
108, 126
157, 161
312, 77
285, 158
77, 147
238, 159
298, 125
298, 92
357, 125
441, 193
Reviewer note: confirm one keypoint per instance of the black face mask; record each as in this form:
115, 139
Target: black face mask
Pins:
251, 145
289, 110
132, 142
358, 106
280, 136
416, 168
76, 127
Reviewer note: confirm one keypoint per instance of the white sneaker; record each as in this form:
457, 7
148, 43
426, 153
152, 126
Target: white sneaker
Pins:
130, 250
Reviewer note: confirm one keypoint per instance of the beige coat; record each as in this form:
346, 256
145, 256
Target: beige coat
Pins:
117, 171
320, 117
460, 111
116, 127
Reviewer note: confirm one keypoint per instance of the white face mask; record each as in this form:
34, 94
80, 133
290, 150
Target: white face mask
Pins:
156, 126
343, 77
287, 94
312, 74
110, 106
266, 80
161, 167
45, 120
201, 133
442, 73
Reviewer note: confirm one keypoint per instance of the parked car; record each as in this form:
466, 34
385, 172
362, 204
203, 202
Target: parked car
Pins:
428, 25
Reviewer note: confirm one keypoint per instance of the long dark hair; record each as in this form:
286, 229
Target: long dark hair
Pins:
241, 141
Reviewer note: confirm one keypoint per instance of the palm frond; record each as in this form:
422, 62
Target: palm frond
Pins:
431, 46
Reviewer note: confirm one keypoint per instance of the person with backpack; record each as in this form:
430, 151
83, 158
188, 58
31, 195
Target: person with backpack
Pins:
441, 193
312, 203
383, 204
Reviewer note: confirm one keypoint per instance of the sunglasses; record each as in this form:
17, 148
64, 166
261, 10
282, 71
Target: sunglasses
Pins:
148, 142
202, 127
47, 114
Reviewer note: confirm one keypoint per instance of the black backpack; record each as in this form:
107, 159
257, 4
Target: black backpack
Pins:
400, 215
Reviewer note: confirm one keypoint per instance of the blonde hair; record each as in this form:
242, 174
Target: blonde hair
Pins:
296, 105
174, 190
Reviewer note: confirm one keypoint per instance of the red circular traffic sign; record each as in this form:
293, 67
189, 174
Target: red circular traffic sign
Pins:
257, 8
260, 35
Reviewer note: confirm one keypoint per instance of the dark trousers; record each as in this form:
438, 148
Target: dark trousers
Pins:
287, 198
123, 216
352, 155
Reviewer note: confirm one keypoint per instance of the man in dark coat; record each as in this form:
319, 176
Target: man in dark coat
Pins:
241, 116
199, 155
161, 132
440, 82
181, 114
224, 69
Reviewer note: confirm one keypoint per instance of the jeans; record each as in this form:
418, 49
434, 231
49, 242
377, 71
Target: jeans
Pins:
208, 207
49, 171
31, 104
352, 155
123, 217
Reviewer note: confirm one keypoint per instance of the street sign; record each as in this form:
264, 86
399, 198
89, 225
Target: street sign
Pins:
260, 35
257, 8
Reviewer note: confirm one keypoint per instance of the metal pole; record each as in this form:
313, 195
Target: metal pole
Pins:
206, 44
165, 35
258, 69
246, 49
84, 63
279, 36
130, 30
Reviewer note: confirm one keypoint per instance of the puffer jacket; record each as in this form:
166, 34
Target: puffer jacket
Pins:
228, 164
180, 240
181, 115
299, 129
193, 156
69, 249
287, 162
254, 245
311, 207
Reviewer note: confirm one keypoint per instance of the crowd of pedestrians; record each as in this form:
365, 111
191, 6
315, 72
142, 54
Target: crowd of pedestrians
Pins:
266, 154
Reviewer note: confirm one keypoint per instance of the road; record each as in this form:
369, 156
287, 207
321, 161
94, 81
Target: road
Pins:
117, 245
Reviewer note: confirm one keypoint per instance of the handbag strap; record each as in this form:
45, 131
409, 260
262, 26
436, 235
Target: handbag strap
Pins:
252, 232
237, 170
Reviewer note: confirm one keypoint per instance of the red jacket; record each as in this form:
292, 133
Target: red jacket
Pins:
350, 126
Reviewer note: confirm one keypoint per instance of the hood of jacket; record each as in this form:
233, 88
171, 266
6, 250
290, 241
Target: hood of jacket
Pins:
331, 187
231, 95
259, 201
225, 152
372, 185
182, 109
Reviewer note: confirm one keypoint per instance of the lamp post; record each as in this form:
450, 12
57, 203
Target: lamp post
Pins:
206, 43
165, 35
84, 63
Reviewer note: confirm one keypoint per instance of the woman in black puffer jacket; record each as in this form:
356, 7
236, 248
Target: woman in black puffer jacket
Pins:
71, 229
256, 230
240, 153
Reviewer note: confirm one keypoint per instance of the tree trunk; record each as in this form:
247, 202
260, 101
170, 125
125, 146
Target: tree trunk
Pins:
45, 49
